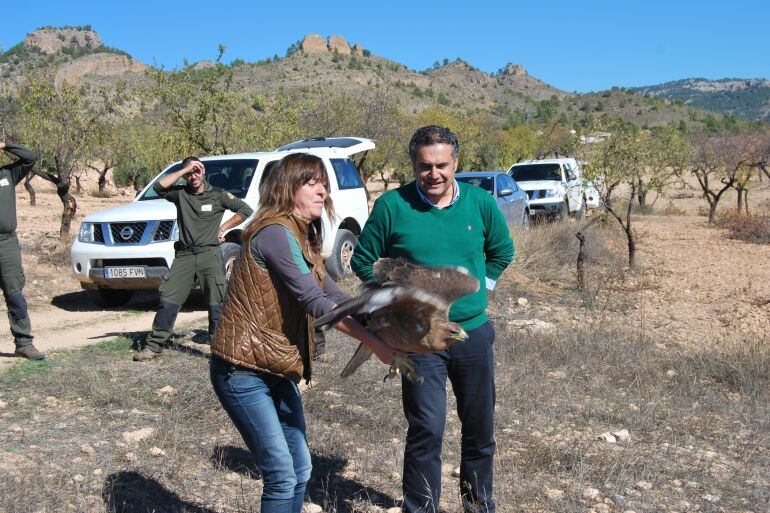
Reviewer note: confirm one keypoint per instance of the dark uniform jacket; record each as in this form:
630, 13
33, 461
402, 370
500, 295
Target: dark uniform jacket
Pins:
199, 215
10, 175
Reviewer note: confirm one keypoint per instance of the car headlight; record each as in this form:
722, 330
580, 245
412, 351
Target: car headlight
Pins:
552, 193
86, 233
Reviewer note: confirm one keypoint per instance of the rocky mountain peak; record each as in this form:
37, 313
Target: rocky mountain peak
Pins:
314, 43
51, 40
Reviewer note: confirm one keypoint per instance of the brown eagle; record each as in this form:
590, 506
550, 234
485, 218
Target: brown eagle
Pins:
408, 310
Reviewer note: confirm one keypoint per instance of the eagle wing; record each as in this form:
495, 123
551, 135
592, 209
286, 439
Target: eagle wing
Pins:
405, 298
451, 283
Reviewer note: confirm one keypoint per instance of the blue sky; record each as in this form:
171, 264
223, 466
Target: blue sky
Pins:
573, 45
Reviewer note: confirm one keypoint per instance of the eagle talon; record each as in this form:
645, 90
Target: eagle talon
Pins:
405, 366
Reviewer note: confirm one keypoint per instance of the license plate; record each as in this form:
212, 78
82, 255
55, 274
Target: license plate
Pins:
124, 272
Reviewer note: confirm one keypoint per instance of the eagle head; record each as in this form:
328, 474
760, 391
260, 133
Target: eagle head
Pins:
454, 333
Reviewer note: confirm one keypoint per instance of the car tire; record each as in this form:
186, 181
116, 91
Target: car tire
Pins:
110, 298
339, 261
230, 252
581, 212
526, 220
563, 212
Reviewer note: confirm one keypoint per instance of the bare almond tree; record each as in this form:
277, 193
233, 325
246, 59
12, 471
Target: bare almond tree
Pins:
720, 162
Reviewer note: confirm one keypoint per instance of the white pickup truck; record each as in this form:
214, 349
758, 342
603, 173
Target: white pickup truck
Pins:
554, 186
131, 247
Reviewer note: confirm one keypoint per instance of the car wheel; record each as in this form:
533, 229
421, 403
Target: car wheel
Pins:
110, 298
230, 252
526, 220
563, 212
581, 212
339, 261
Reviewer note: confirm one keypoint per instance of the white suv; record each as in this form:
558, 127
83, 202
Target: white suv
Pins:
131, 247
554, 186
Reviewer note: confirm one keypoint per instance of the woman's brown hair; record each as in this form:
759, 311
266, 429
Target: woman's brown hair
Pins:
277, 190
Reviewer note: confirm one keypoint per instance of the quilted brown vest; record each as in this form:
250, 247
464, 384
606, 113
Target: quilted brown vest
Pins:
262, 325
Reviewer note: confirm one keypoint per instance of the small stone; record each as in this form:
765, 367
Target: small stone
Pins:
393, 510
167, 390
522, 301
591, 494
711, 498
554, 494
87, 449
644, 485
676, 483
3, 404
395, 476
232, 476
633, 407
309, 507
601, 508
557, 375
157, 452
97, 472
130, 457
456, 472
78, 478
671, 373
137, 436
607, 437
622, 436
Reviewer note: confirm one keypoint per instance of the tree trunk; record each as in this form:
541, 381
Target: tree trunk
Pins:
740, 200
78, 185
30, 189
712, 211
746, 201
579, 264
103, 180
68, 212
631, 247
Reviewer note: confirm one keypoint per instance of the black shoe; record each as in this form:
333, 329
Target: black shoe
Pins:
29, 352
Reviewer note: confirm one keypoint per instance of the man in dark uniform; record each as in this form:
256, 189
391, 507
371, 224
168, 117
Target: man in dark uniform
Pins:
11, 271
199, 208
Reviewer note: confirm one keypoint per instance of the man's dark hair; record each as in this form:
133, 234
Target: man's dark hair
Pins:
187, 160
433, 134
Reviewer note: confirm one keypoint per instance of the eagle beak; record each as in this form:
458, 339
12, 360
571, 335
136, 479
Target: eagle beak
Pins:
461, 336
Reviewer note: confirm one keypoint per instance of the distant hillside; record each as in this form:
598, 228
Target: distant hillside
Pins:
317, 63
748, 99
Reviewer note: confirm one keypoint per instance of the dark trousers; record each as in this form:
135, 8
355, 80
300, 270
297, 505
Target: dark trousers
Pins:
12, 283
207, 267
469, 365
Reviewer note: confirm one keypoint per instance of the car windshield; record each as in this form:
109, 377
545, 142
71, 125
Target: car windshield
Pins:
530, 172
485, 182
232, 175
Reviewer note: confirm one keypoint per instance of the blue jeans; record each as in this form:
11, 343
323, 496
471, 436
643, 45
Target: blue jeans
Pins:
267, 410
469, 365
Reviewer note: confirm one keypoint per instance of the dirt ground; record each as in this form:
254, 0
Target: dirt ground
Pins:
655, 361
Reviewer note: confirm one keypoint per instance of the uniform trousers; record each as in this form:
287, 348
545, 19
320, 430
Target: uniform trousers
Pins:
12, 283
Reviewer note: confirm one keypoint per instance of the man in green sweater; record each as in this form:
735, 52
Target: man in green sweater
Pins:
11, 271
437, 221
199, 208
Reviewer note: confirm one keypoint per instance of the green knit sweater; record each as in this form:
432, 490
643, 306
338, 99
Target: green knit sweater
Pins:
471, 233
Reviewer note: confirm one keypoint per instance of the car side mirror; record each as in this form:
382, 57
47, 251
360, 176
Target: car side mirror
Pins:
504, 192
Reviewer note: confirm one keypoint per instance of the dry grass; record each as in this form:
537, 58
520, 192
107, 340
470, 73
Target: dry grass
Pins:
699, 426
752, 228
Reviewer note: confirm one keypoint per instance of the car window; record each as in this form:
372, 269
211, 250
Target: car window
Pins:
530, 172
485, 182
509, 183
346, 173
500, 184
234, 176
